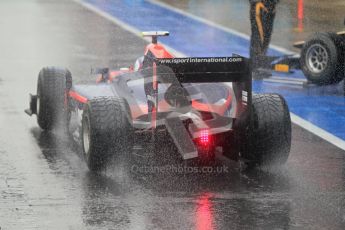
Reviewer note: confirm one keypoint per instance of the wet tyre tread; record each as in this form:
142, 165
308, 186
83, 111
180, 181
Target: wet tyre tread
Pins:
53, 85
110, 122
270, 130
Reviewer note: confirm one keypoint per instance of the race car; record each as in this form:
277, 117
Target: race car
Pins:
200, 105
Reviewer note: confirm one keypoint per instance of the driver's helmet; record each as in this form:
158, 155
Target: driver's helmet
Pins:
138, 63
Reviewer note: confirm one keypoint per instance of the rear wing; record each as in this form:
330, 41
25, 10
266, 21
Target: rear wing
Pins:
236, 71
208, 69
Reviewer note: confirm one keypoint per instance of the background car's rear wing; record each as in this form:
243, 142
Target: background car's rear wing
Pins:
209, 69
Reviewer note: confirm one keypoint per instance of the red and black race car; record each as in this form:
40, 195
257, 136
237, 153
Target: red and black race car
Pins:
199, 104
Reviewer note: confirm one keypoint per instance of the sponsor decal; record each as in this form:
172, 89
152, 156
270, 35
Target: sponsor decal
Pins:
244, 97
200, 60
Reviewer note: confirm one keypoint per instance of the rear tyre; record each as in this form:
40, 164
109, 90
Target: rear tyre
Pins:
106, 130
52, 102
321, 59
269, 137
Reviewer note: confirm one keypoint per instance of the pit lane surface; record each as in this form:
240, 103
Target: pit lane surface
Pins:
45, 185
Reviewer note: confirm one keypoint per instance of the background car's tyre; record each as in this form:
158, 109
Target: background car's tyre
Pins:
321, 59
52, 102
268, 140
106, 129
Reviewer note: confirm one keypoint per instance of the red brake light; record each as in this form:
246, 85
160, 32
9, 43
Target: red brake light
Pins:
204, 138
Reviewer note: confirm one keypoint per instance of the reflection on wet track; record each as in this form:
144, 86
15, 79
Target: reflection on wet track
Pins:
44, 183
122, 199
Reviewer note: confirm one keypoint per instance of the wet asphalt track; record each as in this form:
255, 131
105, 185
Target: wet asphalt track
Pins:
45, 185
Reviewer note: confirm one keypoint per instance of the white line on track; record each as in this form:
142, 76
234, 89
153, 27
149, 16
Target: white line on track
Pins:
340, 143
294, 118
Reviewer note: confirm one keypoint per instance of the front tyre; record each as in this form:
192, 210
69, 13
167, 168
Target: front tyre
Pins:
269, 134
52, 102
106, 129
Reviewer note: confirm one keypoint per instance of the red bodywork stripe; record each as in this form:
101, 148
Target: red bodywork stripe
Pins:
77, 97
154, 117
155, 83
